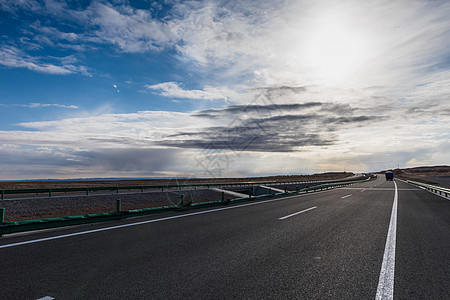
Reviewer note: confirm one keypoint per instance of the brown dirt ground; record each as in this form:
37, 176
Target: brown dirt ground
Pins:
439, 175
29, 209
138, 182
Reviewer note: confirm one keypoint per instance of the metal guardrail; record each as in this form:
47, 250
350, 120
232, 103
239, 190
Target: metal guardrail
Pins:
87, 190
432, 188
21, 226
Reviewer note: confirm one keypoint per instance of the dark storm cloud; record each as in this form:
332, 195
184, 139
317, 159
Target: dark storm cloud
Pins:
256, 109
278, 91
284, 89
251, 142
266, 101
353, 120
272, 127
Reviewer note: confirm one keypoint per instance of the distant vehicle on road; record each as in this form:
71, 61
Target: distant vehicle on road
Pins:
389, 175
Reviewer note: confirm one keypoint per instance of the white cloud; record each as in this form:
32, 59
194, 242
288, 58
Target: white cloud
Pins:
13, 57
173, 89
110, 130
13, 6
352, 44
42, 105
48, 33
132, 30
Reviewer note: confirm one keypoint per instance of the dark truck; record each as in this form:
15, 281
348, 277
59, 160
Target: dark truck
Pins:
389, 175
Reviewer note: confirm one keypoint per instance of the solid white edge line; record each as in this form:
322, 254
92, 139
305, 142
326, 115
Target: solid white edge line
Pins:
385, 288
151, 221
297, 213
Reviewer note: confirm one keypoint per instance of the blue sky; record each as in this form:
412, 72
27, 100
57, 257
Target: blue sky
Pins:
221, 88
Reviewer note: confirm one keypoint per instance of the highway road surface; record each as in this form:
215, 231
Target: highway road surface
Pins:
374, 240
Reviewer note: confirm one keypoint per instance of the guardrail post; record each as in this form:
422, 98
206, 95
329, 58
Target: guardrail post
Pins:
117, 190
296, 189
118, 205
182, 200
50, 193
142, 189
285, 189
223, 196
3, 194
2, 215
87, 191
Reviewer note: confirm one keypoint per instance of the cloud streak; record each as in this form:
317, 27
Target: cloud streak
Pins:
43, 105
173, 90
15, 58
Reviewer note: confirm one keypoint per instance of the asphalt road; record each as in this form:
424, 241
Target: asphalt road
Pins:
325, 245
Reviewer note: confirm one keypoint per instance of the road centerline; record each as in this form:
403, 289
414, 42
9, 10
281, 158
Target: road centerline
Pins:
297, 213
385, 288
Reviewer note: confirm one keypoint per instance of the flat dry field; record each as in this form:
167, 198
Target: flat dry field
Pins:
439, 175
44, 207
138, 182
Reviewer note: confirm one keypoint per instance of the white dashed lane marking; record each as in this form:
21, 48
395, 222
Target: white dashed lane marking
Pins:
297, 213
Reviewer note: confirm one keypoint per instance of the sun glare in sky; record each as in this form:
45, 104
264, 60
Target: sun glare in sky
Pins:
334, 51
